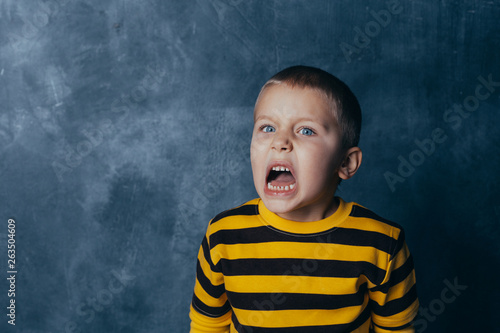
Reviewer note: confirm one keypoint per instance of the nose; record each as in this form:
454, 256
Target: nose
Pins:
282, 142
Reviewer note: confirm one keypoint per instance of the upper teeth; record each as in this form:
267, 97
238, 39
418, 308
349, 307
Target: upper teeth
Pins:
280, 168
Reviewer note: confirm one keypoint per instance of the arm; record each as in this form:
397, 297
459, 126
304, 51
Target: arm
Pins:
394, 302
205, 324
409, 329
210, 310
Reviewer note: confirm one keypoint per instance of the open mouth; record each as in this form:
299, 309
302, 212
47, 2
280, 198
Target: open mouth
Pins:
280, 178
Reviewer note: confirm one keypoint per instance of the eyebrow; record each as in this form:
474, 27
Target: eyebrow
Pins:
263, 117
302, 119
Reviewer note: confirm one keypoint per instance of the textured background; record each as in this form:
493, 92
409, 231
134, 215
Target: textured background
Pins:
125, 126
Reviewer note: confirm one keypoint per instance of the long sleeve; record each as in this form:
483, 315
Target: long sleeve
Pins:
205, 324
210, 309
394, 302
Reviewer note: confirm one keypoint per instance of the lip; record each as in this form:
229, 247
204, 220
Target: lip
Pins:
285, 164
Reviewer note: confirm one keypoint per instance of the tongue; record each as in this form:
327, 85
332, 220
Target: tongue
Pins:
283, 179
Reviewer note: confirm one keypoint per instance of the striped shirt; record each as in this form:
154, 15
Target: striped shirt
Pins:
258, 272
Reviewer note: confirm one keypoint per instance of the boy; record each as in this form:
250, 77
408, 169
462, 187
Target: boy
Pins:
298, 258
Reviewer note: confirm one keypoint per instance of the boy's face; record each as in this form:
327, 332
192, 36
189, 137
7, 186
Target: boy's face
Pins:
295, 130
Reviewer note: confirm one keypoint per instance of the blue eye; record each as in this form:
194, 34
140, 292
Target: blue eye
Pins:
268, 129
306, 131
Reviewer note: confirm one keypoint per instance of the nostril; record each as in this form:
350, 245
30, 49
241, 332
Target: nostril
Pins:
282, 144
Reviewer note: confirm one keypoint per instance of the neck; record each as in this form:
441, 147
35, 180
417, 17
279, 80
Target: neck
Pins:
312, 212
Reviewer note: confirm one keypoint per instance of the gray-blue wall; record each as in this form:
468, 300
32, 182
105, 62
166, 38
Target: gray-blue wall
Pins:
125, 126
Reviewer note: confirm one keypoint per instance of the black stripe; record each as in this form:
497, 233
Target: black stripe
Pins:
344, 236
397, 305
395, 328
214, 291
294, 301
302, 267
237, 325
357, 237
340, 328
397, 276
206, 254
358, 211
209, 311
242, 210
399, 244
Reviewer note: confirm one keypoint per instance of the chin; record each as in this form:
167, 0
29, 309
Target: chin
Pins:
277, 205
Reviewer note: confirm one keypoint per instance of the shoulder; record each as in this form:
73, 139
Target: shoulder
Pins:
388, 233
249, 208
360, 213
242, 216
231, 223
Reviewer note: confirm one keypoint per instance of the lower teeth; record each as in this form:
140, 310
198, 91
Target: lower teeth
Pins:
280, 188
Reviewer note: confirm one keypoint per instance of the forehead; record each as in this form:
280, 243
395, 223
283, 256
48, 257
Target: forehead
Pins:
284, 100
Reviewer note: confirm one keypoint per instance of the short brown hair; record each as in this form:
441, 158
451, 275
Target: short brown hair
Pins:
346, 106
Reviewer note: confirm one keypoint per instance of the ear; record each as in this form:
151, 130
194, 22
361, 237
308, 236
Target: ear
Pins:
351, 163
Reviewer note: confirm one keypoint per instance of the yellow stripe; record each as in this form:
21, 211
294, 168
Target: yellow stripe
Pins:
216, 277
311, 227
398, 319
291, 318
202, 324
206, 298
400, 259
293, 284
396, 291
235, 222
364, 223
246, 221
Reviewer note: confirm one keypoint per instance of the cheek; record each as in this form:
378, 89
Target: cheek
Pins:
253, 154
320, 162
255, 161
258, 140
257, 149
